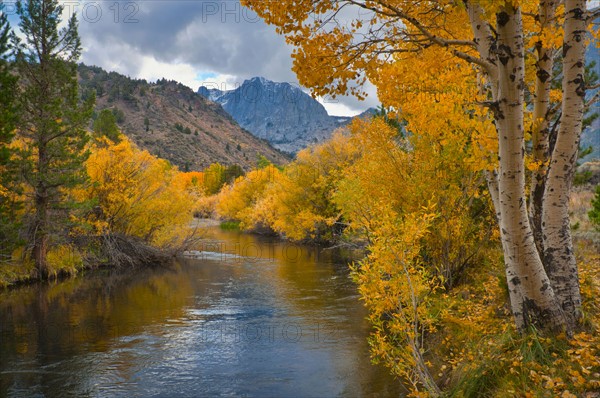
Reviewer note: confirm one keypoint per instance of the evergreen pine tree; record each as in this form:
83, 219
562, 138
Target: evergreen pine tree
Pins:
105, 125
8, 118
53, 120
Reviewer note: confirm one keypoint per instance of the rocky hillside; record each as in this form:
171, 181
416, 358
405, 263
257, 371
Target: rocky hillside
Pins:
280, 113
171, 121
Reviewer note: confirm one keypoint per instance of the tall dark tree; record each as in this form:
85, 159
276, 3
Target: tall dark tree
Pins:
53, 119
8, 117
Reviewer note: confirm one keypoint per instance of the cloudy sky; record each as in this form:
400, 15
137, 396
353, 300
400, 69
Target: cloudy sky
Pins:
192, 41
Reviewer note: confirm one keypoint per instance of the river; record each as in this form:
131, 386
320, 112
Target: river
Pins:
248, 316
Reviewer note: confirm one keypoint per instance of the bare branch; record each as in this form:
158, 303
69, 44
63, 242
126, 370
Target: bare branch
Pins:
593, 86
593, 13
431, 37
469, 58
592, 101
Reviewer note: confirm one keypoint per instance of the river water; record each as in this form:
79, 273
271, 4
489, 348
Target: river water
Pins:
247, 316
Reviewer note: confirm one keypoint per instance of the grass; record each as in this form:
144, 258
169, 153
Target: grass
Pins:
63, 261
230, 225
15, 272
579, 206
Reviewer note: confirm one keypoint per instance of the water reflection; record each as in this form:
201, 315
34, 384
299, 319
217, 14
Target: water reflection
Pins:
248, 317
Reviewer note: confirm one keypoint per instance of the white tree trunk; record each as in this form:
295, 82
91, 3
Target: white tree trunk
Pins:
515, 294
559, 258
542, 118
525, 272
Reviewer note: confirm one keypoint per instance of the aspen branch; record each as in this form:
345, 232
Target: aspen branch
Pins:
440, 41
593, 14
593, 86
484, 37
592, 101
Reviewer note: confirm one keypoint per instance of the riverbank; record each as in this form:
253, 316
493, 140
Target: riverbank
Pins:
90, 253
200, 223
68, 260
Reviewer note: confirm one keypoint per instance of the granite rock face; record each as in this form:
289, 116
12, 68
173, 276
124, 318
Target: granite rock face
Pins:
280, 113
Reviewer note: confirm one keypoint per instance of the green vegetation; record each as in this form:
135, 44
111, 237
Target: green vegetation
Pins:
9, 187
53, 140
119, 115
105, 125
185, 130
230, 225
262, 162
582, 178
594, 213
217, 175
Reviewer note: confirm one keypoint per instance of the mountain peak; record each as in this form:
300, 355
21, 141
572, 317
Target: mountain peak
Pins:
260, 80
279, 112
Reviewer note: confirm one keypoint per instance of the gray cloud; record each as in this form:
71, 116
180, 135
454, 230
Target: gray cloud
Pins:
212, 36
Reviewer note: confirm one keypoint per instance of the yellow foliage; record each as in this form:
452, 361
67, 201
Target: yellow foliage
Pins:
192, 181
426, 219
413, 173
300, 205
19, 268
238, 201
489, 358
296, 202
420, 208
64, 259
434, 290
214, 176
396, 287
139, 194
205, 207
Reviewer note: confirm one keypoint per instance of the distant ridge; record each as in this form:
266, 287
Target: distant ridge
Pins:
171, 121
